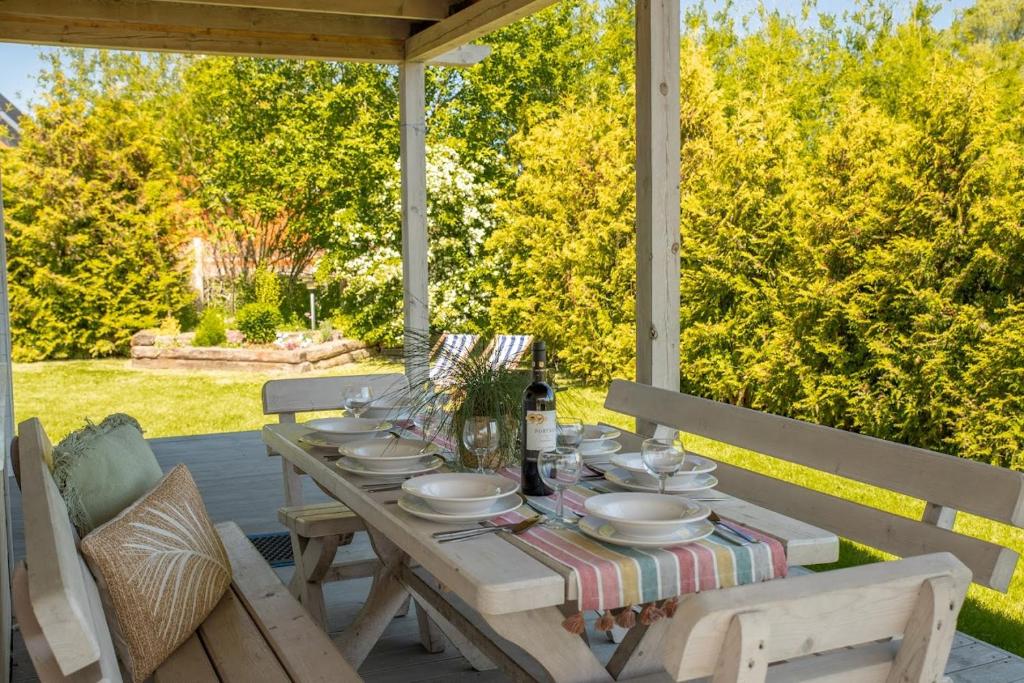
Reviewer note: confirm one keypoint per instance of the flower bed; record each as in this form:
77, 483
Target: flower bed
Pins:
292, 352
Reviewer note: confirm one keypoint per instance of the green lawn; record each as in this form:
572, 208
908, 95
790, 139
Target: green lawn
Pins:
170, 403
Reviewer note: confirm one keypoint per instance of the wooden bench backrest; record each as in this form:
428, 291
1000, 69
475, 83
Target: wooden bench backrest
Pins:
735, 634
285, 397
944, 482
63, 600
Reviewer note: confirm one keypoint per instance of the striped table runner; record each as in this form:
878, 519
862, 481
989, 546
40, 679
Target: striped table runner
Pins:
610, 577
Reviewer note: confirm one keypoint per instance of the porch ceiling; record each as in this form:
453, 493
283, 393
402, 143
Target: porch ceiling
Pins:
384, 31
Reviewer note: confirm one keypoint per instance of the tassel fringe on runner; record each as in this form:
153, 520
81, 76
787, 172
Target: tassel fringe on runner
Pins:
625, 617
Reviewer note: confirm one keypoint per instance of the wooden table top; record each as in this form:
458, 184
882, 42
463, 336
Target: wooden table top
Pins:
490, 574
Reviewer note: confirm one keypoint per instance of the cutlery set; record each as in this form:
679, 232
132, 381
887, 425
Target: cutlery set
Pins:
514, 528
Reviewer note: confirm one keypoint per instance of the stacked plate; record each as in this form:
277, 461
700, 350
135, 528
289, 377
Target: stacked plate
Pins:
599, 442
645, 520
630, 473
391, 457
459, 497
393, 408
331, 432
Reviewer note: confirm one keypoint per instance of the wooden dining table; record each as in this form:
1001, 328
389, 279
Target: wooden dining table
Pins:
487, 593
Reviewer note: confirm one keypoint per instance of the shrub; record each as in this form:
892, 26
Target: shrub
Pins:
211, 330
258, 322
266, 287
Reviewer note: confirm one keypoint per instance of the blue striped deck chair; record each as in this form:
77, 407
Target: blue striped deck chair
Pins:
449, 351
508, 350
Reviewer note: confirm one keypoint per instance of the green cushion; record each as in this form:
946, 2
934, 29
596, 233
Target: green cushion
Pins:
102, 469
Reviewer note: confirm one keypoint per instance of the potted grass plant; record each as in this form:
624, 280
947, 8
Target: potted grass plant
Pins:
471, 388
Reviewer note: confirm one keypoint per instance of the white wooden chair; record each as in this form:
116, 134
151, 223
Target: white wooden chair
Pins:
318, 529
888, 622
449, 351
256, 632
508, 350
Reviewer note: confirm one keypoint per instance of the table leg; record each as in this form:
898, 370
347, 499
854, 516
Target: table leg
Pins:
428, 598
564, 656
386, 596
430, 636
639, 654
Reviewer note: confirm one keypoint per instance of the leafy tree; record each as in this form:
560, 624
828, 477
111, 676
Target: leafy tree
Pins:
280, 156
566, 240
93, 218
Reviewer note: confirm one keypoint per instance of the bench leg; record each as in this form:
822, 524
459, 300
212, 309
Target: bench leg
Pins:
311, 564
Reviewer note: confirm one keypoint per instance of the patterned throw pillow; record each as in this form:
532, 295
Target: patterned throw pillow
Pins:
161, 569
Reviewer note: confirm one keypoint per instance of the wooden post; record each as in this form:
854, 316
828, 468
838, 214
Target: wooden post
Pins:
6, 435
657, 195
412, 115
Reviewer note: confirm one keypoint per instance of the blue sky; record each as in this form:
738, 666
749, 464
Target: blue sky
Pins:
20, 63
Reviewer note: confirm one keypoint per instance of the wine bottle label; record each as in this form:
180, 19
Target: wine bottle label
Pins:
541, 433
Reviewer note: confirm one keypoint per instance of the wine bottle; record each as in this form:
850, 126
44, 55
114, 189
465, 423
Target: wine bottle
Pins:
537, 429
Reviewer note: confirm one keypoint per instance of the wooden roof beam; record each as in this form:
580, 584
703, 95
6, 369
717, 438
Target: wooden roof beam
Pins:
183, 27
418, 10
470, 23
467, 55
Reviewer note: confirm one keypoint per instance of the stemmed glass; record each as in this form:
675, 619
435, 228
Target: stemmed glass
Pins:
663, 457
480, 437
570, 432
358, 399
560, 468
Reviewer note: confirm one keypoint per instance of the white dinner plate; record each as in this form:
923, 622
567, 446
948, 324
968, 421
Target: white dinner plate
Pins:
599, 433
351, 466
599, 449
634, 463
624, 478
694, 464
416, 507
602, 530
316, 441
347, 426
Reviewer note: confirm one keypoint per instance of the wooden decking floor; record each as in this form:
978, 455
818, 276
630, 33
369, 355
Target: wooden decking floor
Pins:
239, 482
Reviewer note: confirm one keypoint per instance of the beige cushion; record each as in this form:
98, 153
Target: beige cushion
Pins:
161, 569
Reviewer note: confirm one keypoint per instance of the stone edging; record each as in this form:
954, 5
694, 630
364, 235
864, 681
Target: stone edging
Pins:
314, 357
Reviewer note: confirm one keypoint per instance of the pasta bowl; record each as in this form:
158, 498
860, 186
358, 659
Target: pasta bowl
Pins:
634, 464
342, 429
646, 515
389, 455
460, 493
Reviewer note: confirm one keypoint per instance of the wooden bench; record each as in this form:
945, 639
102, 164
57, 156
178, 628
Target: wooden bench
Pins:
880, 623
945, 483
258, 631
335, 524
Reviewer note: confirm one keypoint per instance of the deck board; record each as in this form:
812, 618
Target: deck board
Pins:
239, 482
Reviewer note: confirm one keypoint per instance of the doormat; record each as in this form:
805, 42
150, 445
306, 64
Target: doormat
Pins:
275, 547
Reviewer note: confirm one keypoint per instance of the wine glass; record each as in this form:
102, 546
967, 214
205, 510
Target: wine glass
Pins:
570, 432
480, 437
358, 399
560, 468
663, 457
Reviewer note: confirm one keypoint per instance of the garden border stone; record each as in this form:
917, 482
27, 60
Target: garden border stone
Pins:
315, 357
